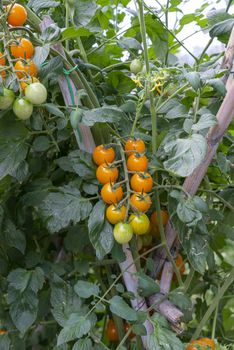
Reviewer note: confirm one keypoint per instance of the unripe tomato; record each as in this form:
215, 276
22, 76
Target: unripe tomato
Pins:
106, 173
141, 182
111, 332
25, 82
140, 202
7, 99
140, 223
22, 49
17, 15
123, 232
111, 194
75, 118
134, 146
137, 163
25, 70
114, 214
22, 108
154, 221
36, 93
102, 154
136, 66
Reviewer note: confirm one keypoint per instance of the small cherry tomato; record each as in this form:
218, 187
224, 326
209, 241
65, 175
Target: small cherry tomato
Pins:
111, 194
134, 146
2, 63
141, 182
114, 214
126, 328
22, 108
112, 332
123, 232
26, 70
17, 15
36, 93
3, 331
180, 264
25, 82
106, 173
7, 99
137, 163
140, 202
102, 154
136, 66
140, 223
23, 48
202, 344
154, 222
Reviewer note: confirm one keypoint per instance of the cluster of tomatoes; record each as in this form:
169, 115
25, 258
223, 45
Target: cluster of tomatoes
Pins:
202, 344
20, 59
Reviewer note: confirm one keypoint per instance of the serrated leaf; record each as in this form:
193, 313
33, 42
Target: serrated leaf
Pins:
13, 237
221, 28
194, 80
42, 4
205, 122
72, 33
41, 54
187, 212
130, 43
83, 12
76, 326
5, 342
86, 289
196, 247
120, 308
218, 85
53, 109
146, 285
83, 344
102, 115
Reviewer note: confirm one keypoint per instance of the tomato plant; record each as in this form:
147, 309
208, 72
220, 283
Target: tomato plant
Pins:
116, 175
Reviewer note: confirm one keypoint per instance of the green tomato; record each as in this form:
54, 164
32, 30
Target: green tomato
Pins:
136, 66
7, 99
36, 93
123, 232
140, 223
22, 108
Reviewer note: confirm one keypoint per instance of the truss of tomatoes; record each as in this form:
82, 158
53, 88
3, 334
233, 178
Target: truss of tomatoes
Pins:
32, 92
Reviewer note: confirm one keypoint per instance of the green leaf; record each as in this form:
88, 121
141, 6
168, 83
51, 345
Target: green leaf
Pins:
83, 12
60, 209
42, 4
5, 342
76, 327
120, 308
196, 247
86, 289
146, 285
139, 329
41, 54
187, 212
13, 237
51, 33
83, 344
222, 29
102, 115
158, 35
218, 85
130, 43
54, 66
185, 154
205, 122
72, 33
53, 109
21, 279
194, 80
41, 144
82, 164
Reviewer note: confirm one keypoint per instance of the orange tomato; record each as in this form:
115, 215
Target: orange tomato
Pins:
102, 154
140, 202
106, 173
26, 70
154, 221
133, 146
17, 15
141, 182
202, 344
137, 163
26, 82
2, 63
114, 214
23, 48
111, 194
180, 264
2, 331
111, 332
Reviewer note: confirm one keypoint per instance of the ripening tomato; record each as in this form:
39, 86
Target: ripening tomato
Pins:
123, 232
26, 70
141, 182
106, 173
202, 344
17, 15
6, 99
140, 223
154, 221
112, 332
134, 146
140, 202
22, 108
25, 82
36, 93
111, 194
114, 214
103, 154
137, 163
22, 48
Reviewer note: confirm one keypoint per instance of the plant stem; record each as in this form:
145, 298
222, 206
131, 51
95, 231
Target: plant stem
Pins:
188, 279
138, 112
229, 280
67, 9
215, 321
204, 51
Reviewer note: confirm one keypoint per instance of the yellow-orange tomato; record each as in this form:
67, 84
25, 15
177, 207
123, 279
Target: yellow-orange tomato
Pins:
23, 48
154, 221
111, 332
141, 182
102, 154
137, 163
17, 15
106, 173
25, 70
180, 264
111, 194
25, 82
140, 202
2, 63
3, 331
133, 146
114, 214
202, 344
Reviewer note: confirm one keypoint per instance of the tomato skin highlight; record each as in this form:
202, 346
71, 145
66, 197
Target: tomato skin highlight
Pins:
137, 163
102, 154
141, 182
136, 66
140, 224
115, 214
17, 15
110, 194
134, 146
123, 232
36, 93
23, 49
140, 202
105, 173
22, 108
7, 99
